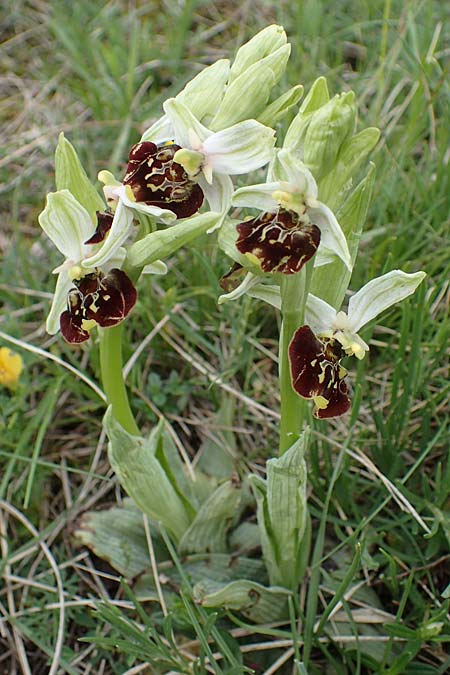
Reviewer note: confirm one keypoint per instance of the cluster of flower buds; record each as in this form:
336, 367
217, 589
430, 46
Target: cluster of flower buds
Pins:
219, 126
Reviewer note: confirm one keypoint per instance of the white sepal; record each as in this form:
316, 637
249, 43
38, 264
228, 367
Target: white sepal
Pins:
67, 223
319, 314
241, 148
379, 294
248, 282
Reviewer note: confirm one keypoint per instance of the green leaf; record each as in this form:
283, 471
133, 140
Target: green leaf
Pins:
256, 602
70, 175
138, 470
163, 243
116, 535
208, 530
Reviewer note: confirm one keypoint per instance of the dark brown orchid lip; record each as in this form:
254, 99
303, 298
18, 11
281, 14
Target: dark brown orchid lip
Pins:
231, 280
317, 373
280, 241
157, 180
104, 222
97, 299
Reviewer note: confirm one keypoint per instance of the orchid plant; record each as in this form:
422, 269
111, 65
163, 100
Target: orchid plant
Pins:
296, 253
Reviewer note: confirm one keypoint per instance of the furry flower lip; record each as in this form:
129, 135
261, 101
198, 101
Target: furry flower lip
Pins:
280, 241
317, 373
96, 299
156, 179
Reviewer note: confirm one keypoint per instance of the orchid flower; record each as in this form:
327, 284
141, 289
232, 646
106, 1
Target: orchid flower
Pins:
210, 158
84, 295
315, 353
294, 223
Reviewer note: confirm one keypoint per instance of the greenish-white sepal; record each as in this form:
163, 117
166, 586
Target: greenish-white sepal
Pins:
379, 294
208, 530
261, 45
287, 167
287, 509
257, 196
117, 535
258, 603
267, 537
316, 97
246, 97
218, 195
203, 94
158, 267
186, 126
332, 239
276, 110
67, 223
134, 461
70, 175
329, 128
241, 148
59, 302
117, 235
160, 131
162, 243
267, 293
319, 315
249, 281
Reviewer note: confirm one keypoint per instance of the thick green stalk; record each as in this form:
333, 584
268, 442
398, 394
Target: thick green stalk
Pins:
294, 291
112, 378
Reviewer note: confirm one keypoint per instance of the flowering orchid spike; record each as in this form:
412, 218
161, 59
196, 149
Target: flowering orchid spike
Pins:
304, 223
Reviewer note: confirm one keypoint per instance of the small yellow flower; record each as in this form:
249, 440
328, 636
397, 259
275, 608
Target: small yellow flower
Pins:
11, 366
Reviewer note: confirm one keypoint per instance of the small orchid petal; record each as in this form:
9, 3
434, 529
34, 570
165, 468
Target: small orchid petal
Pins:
333, 238
162, 130
319, 314
59, 302
120, 229
241, 148
185, 124
379, 294
257, 197
67, 223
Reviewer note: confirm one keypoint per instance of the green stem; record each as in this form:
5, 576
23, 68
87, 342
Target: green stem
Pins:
112, 378
294, 291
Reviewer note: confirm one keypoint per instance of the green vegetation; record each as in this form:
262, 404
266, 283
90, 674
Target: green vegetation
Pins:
379, 499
